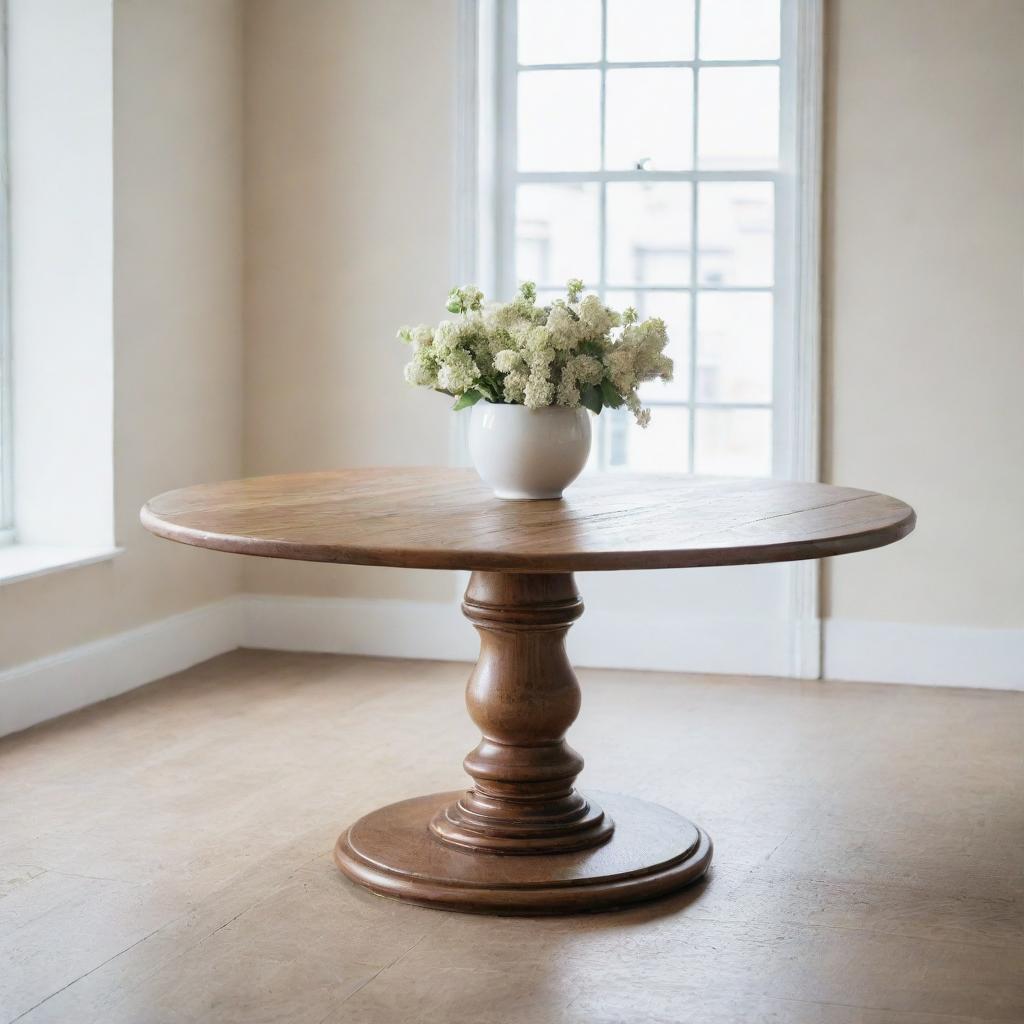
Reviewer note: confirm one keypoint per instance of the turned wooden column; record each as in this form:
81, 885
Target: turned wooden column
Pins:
523, 695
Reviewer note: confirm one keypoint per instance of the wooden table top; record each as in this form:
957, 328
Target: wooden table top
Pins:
447, 519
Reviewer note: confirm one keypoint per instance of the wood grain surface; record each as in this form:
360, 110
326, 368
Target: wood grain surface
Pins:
447, 519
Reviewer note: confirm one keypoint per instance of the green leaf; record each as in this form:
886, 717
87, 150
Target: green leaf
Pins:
489, 389
611, 397
590, 396
467, 398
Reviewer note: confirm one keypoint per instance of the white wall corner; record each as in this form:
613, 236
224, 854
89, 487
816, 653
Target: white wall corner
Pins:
39, 690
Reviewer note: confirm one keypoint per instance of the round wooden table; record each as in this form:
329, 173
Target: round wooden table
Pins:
524, 839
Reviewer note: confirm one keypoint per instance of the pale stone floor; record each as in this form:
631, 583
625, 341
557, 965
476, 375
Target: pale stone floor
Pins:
165, 856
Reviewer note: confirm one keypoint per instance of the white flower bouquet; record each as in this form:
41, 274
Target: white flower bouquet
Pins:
575, 352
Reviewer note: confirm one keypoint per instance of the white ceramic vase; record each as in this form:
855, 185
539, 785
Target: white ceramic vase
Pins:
528, 453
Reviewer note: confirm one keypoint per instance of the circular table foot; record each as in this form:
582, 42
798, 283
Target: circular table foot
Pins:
652, 852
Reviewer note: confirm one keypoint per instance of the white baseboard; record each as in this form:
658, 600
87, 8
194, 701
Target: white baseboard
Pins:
670, 642
51, 686
347, 625
601, 639
885, 652
858, 651
862, 651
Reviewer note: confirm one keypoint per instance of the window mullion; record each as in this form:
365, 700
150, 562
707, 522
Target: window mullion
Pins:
508, 160
617, 286
691, 462
646, 64
602, 210
602, 216
571, 177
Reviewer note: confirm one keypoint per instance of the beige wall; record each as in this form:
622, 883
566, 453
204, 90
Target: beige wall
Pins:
925, 321
349, 191
177, 321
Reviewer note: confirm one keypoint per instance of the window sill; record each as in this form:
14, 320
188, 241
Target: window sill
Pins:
24, 561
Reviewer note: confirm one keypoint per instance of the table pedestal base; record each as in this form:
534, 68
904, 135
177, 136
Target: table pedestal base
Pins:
651, 853
523, 840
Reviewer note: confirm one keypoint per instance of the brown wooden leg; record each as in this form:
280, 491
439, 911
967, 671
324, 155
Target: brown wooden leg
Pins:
523, 839
523, 695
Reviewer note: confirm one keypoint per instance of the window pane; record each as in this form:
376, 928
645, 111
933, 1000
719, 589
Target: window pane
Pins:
649, 119
650, 30
734, 347
739, 29
557, 234
674, 309
546, 296
559, 120
661, 447
736, 236
567, 32
734, 442
648, 233
738, 119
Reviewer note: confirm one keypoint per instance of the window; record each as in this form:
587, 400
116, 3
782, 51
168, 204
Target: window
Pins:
649, 147
58, 455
